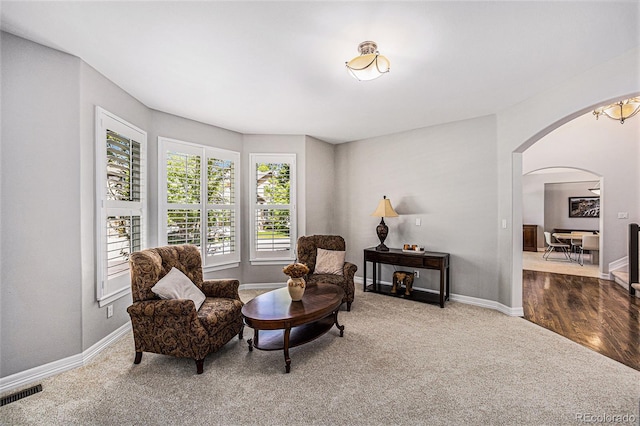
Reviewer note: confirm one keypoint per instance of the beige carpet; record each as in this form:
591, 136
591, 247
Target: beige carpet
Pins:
399, 362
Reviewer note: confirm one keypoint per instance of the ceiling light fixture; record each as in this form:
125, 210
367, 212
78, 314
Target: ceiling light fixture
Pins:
370, 64
622, 110
596, 189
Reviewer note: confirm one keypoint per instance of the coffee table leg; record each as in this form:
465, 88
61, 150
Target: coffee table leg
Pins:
287, 360
340, 327
250, 341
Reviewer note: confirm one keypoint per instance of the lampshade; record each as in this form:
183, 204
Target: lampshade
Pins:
370, 64
620, 111
384, 209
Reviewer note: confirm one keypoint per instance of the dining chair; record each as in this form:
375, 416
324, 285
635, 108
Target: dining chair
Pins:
551, 247
576, 241
591, 243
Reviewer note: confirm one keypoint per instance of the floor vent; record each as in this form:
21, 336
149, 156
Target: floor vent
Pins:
19, 395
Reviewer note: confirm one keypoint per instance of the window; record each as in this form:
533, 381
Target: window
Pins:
121, 192
273, 207
198, 200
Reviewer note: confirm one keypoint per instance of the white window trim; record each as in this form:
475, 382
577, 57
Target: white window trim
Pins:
273, 258
105, 120
209, 263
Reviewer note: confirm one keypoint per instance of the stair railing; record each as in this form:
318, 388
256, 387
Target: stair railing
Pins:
633, 256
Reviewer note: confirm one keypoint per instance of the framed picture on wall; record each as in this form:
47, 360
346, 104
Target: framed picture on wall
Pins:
584, 206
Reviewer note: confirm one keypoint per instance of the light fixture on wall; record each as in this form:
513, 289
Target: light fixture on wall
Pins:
596, 189
620, 111
370, 64
383, 210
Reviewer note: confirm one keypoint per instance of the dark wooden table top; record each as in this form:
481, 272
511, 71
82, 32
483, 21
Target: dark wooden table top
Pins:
275, 310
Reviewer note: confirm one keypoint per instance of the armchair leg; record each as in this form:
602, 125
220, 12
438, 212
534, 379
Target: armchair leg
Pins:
199, 365
138, 358
240, 334
348, 306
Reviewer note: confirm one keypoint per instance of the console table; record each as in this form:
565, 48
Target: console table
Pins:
420, 260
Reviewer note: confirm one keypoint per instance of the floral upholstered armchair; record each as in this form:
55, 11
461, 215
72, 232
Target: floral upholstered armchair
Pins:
175, 325
324, 256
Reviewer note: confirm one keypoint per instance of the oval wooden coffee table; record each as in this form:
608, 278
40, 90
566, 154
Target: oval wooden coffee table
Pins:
279, 323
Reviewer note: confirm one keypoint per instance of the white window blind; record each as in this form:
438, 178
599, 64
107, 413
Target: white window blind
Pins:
198, 200
221, 202
273, 207
121, 192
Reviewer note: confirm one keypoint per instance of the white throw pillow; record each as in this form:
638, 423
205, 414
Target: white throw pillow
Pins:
329, 262
176, 285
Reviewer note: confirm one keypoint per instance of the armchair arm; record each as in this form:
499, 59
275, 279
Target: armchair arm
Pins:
169, 327
221, 288
170, 307
349, 271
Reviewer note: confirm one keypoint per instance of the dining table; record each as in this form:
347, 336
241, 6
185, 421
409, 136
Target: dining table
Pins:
566, 236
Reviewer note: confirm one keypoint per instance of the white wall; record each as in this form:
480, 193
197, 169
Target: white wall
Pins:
444, 175
320, 187
40, 247
556, 212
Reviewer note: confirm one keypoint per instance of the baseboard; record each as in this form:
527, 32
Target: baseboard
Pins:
621, 263
468, 300
35, 374
484, 303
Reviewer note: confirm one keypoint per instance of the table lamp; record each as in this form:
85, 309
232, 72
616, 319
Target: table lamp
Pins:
383, 210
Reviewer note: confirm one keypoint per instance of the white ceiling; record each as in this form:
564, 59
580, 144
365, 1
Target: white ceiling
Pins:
278, 67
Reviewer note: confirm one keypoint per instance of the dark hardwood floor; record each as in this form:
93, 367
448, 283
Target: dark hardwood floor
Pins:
595, 313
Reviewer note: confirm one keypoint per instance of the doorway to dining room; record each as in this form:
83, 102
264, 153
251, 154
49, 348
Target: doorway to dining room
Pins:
572, 300
547, 196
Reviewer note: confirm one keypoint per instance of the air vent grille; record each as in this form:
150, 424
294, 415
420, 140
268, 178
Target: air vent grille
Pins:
19, 395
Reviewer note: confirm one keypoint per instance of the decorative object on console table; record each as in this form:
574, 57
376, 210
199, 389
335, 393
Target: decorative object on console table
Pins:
400, 278
383, 210
420, 260
296, 283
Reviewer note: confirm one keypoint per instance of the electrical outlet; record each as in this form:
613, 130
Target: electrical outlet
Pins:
109, 311
416, 274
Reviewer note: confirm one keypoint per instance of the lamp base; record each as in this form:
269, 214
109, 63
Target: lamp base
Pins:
382, 230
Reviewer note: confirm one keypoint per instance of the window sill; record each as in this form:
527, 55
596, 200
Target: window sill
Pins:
113, 297
266, 262
214, 268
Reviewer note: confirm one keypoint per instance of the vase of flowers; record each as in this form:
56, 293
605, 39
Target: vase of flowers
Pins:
296, 283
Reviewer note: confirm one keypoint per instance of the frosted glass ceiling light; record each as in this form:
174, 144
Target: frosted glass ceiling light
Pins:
370, 64
620, 110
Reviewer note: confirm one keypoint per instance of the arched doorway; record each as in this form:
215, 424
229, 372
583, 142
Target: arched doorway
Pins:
545, 207
603, 147
578, 308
